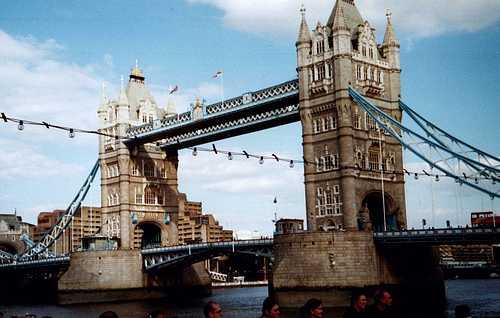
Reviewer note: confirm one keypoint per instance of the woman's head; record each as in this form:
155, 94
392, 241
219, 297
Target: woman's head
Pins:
359, 301
313, 308
270, 308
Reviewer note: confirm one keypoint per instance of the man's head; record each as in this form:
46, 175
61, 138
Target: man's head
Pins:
383, 298
212, 310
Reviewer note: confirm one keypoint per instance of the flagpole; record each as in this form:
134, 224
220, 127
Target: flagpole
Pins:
222, 88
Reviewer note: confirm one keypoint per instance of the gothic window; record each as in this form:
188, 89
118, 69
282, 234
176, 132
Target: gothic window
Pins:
317, 126
370, 123
150, 119
335, 159
138, 195
371, 52
330, 70
358, 71
159, 198
381, 77
328, 163
334, 122
149, 169
321, 71
320, 46
356, 120
328, 202
372, 74
320, 163
363, 50
373, 158
135, 169
326, 124
365, 73
149, 196
144, 118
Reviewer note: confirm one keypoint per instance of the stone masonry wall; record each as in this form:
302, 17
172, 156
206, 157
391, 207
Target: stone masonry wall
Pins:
320, 260
104, 270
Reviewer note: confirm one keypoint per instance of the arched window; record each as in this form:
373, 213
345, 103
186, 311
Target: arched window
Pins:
374, 158
149, 169
138, 195
149, 195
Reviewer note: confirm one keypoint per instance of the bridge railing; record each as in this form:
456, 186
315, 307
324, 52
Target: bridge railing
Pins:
233, 104
38, 262
239, 243
424, 232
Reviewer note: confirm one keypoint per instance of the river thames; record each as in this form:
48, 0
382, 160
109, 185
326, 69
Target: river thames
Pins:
482, 295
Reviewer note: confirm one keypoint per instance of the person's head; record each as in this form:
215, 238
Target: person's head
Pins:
462, 311
270, 308
157, 314
313, 308
383, 298
359, 301
212, 310
108, 314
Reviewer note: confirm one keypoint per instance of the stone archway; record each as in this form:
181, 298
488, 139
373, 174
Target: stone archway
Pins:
374, 204
147, 235
11, 247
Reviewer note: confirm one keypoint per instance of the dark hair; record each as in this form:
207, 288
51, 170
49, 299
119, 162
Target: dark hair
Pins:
108, 314
268, 304
309, 306
355, 296
462, 311
208, 308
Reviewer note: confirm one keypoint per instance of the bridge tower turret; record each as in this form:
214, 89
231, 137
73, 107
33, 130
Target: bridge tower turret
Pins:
139, 185
356, 182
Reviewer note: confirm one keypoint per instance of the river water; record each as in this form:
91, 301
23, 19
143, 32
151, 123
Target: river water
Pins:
482, 295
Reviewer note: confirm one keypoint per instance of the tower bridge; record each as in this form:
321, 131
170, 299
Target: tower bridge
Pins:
347, 99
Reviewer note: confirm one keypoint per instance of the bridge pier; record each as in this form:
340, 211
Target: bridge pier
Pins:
104, 276
331, 265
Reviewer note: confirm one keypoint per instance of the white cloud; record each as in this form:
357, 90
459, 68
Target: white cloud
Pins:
39, 85
241, 175
413, 19
24, 161
185, 96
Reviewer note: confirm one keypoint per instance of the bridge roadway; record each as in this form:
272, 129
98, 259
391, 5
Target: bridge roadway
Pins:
163, 257
183, 255
270, 107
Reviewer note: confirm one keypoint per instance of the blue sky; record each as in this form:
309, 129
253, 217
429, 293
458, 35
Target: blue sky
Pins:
54, 55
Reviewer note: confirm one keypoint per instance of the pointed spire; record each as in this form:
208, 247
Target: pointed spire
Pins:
304, 34
339, 19
352, 17
390, 38
123, 100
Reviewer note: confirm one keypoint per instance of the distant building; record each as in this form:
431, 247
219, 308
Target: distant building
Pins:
11, 229
86, 223
286, 226
195, 227
484, 219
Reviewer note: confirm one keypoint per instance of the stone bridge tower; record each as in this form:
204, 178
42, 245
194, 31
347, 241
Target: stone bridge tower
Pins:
355, 162
139, 194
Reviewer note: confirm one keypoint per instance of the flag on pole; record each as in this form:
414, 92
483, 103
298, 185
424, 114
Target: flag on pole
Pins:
173, 90
218, 74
